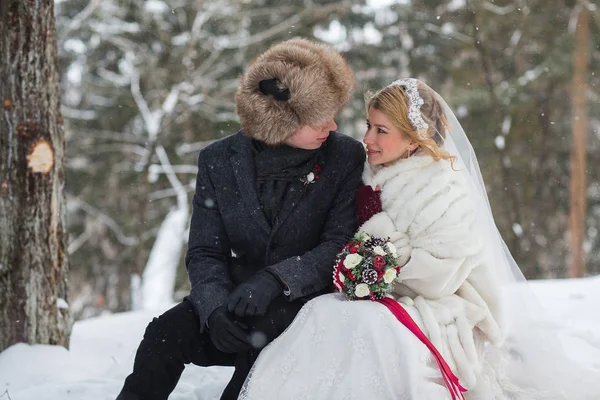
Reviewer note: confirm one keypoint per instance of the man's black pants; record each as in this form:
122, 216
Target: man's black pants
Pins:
173, 340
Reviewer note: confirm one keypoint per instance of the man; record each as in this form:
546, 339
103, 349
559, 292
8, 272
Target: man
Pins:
274, 204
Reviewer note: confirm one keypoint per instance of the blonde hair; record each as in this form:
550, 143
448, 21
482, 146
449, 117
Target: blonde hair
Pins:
393, 102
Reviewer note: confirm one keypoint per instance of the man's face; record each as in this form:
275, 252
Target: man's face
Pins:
309, 138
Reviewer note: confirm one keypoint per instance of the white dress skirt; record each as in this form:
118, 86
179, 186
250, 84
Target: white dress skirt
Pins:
338, 349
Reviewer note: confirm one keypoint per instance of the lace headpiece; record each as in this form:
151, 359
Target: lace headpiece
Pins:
415, 102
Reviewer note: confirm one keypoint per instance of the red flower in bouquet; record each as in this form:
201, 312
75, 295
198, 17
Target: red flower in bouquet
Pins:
379, 263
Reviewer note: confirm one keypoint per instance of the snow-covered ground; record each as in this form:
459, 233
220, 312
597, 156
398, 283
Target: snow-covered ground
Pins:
102, 351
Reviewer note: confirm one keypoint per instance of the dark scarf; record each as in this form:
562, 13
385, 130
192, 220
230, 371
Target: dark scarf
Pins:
276, 167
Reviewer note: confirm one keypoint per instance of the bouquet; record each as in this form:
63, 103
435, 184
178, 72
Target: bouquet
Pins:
367, 267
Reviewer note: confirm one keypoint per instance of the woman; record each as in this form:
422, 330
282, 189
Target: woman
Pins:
424, 191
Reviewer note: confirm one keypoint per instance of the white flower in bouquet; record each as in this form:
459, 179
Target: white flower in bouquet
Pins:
389, 275
379, 251
352, 260
362, 290
392, 249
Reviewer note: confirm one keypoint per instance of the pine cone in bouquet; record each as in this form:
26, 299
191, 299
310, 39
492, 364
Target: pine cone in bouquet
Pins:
366, 268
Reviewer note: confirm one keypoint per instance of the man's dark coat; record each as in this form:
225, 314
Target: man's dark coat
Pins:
230, 238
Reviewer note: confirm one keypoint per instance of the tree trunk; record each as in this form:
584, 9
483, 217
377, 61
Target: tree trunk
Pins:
33, 256
579, 126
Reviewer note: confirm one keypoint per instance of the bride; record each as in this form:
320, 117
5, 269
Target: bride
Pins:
423, 190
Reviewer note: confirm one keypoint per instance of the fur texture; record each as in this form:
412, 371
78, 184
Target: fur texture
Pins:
429, 217
319, 81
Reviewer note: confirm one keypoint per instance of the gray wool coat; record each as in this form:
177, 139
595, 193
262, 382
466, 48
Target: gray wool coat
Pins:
230, 238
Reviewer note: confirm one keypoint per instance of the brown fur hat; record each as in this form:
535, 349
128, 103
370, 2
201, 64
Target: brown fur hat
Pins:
294, 83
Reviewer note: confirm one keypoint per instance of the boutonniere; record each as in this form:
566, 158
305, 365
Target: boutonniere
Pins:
312, 176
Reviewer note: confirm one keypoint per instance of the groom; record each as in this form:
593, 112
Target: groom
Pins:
274, 204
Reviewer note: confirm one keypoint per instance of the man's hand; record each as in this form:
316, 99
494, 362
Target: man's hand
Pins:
227, 335
254, 296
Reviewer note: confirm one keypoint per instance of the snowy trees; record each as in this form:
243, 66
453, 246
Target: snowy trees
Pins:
506, 68
146, 85
145, 78
33, 257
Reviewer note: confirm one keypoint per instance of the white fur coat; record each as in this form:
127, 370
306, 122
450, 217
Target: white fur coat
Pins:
430, 218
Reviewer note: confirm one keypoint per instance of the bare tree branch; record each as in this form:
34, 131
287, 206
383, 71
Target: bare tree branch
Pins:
238, 43
119, 147
208, 63
79, 241
77, 203
179, 169
170, 192
150, 118
187, 148
314, 12
77, 21
461, 37
172, 177
499, 10
84, 135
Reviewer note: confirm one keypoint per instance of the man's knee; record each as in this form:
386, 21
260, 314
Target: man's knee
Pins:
266, 328
174, 324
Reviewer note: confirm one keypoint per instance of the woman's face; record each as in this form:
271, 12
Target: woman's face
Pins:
309, 138
385, 143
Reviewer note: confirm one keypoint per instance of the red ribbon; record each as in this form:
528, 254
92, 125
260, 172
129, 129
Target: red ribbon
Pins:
402, 315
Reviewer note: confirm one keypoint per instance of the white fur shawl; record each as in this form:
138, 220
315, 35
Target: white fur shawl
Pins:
431, 220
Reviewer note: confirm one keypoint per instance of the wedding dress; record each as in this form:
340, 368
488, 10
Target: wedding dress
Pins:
335, 349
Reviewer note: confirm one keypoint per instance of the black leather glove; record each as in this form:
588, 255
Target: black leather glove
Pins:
254, 296
227, 335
